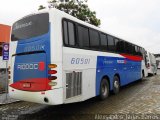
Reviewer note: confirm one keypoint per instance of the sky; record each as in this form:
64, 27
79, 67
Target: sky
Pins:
137, 21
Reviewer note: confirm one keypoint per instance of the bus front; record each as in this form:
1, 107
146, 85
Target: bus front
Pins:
32, 75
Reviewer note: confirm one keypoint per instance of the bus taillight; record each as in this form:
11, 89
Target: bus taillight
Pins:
52, 66
52, 83
52, 77
52, 72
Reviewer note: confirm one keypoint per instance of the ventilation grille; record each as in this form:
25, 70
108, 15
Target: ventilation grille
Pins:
73, 84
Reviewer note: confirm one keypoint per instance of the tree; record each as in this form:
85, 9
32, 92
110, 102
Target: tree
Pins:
41, 7
76, 8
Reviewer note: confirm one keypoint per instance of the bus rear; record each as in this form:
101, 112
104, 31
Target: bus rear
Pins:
33, 77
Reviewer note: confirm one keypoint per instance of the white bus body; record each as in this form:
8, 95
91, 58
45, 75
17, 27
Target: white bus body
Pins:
151, 64
70, 74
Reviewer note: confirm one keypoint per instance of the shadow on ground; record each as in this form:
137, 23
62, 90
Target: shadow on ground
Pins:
87, 110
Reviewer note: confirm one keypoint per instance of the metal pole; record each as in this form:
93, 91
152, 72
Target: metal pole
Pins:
6, 79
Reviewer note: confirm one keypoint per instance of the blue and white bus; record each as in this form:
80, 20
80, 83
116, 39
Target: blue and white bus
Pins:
59, 59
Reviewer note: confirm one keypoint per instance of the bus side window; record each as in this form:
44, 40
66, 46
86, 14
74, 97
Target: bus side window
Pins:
71, 33
136, 50
103, 42
139, 51
132, 49
127, 48
111, 44
121, 46
94, 39
83, 37
65, 32
117, 41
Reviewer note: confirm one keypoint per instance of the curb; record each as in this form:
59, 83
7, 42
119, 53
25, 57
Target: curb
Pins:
1, 104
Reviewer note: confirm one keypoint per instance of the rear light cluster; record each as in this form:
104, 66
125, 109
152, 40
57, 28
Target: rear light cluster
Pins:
52, 74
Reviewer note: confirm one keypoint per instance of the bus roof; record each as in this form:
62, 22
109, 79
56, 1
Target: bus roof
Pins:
67, 16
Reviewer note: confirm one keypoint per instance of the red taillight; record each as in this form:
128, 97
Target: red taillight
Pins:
52, 72
52, 77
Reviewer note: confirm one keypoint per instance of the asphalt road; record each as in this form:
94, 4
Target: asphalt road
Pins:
137, 99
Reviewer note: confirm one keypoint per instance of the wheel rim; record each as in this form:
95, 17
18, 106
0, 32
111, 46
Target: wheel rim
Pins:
116, 84
104, 90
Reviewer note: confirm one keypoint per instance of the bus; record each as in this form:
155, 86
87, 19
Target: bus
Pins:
59, 59
157, 60
158, 63
151, 64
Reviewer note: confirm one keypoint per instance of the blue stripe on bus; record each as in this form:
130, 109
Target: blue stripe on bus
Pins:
128, 70
21, 48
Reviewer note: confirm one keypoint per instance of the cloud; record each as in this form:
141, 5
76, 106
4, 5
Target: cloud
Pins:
137, 21
11, 10
134, 20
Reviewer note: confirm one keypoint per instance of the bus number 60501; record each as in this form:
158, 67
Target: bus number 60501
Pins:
80, 61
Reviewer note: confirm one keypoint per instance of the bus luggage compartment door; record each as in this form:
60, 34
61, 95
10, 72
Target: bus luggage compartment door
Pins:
30, 72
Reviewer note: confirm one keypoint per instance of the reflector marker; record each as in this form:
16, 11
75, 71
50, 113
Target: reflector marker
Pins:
52, 66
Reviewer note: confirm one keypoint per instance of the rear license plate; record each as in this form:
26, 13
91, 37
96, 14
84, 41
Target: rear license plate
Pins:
26, 85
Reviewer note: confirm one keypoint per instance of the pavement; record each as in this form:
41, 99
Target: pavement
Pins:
139, 101
2, 80
4, 97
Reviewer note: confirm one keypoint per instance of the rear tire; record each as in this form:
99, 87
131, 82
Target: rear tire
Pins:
143, 74
104, 89
116, 85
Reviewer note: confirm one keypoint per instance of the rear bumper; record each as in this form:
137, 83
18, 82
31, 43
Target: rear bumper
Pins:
152, 71
54, 97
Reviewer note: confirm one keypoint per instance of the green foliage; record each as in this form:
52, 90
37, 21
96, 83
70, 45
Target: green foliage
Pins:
77, 9
41, 7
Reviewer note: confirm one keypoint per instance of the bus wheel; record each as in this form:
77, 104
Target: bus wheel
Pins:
116, 85
143, 74
104, 89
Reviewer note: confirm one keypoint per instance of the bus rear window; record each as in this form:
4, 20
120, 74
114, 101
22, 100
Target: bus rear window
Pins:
30, 26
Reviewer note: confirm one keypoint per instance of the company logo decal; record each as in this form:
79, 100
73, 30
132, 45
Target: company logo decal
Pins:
121, 61
17, 26
34, 48
31, 66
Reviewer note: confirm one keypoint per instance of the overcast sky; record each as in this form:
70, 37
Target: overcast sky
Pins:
137, 21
